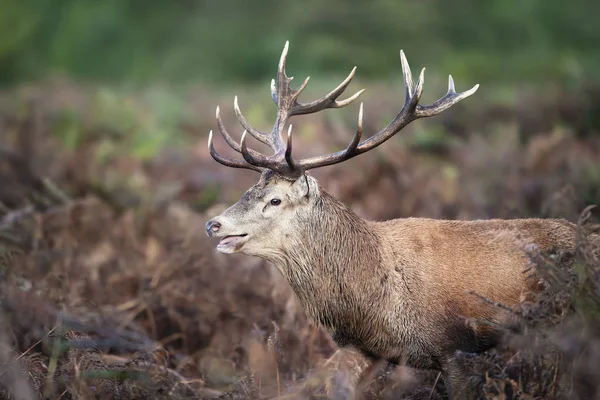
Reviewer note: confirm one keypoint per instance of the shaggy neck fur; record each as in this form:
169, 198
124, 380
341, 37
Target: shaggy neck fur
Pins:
321, 261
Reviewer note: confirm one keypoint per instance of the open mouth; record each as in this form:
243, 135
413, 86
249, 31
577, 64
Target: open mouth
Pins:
234, 242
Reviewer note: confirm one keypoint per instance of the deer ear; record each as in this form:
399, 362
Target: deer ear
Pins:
304, 187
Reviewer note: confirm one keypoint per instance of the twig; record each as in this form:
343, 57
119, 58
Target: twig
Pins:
277, 375
52, 367
152, 320
584, 216
181, 380
38, 342
172, 337
55, 191
434, 385
554, 386
494, 303
128, 305
121, 338
15, 215
366, 377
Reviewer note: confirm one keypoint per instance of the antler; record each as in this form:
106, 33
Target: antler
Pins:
286, 99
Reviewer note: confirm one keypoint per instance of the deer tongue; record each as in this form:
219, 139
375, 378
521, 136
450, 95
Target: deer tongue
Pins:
230, 240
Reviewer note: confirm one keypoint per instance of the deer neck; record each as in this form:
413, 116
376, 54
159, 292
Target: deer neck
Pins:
332, 246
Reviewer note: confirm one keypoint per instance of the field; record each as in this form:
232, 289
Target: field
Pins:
110, 287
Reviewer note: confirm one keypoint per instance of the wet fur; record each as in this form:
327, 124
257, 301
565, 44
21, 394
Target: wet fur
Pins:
396, 289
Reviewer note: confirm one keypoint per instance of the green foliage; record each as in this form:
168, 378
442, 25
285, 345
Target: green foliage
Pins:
123, 123
207, 198
136, 128
591, 191
585, 299
139, 41
430, 139
67, 127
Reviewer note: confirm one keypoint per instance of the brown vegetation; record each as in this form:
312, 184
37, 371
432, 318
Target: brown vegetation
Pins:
114, 291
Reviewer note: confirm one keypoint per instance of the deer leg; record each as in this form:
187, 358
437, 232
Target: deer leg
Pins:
387, 371
457, 381
366, 376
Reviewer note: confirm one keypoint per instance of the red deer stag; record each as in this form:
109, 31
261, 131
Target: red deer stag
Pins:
396, 290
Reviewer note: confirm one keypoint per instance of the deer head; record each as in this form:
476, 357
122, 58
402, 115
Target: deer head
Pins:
272, 215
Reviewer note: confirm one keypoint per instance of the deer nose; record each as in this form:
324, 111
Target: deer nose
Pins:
212, 226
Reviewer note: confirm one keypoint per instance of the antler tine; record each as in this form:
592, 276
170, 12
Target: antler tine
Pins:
407, 74
410, 112
359, 130
288, 150
257, 159
281, 75
340, 156
229, 162
451, 98
261, 137
286, 98
281, 92
330, 99
413, 93
297, 92
232, 143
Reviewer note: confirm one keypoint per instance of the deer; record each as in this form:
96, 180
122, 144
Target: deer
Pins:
395, 290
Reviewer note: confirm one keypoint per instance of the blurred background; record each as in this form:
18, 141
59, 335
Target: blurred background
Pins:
106, 180
187, 41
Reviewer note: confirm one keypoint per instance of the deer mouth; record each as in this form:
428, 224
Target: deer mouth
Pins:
232, 242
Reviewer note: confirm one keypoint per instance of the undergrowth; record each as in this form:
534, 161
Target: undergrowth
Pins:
113, 290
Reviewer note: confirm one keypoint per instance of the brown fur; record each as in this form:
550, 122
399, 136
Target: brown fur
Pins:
396, 290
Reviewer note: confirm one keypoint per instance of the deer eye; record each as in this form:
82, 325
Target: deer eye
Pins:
275, 202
